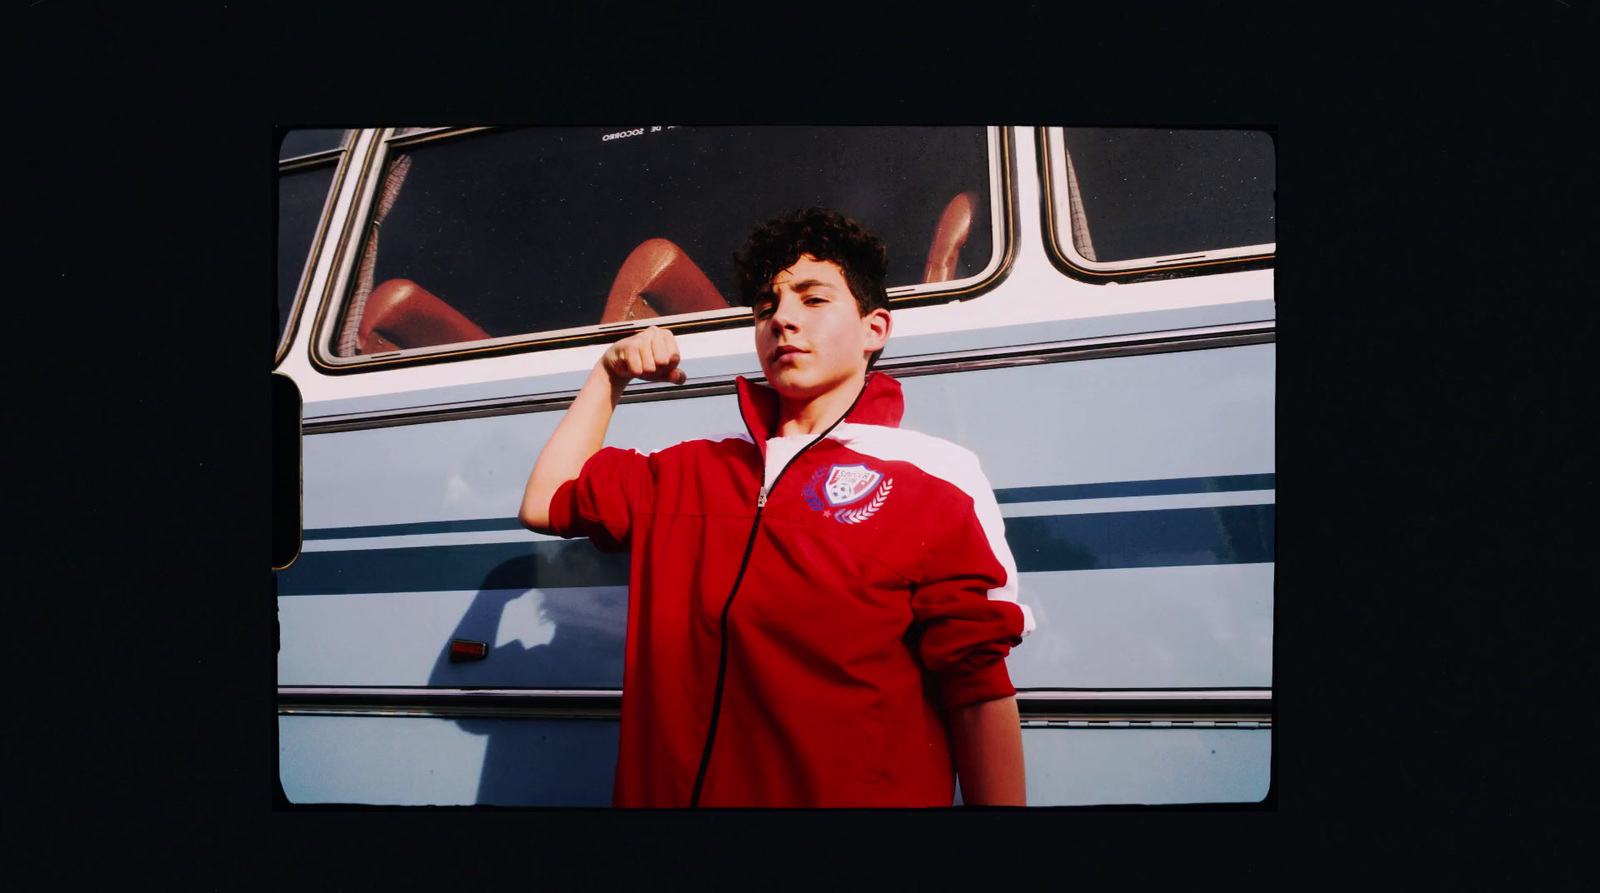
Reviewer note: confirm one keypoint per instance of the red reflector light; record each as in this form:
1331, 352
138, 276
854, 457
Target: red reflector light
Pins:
466, 649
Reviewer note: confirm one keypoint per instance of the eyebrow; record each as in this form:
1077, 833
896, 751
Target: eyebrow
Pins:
768, 294
805, 284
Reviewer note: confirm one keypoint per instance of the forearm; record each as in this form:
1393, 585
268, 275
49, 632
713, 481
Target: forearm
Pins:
578, 436
987, 737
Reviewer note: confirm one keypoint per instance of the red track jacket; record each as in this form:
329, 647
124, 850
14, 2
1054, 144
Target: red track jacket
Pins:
802, 610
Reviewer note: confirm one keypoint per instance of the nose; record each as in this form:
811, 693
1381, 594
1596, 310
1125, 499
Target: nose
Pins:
781, 319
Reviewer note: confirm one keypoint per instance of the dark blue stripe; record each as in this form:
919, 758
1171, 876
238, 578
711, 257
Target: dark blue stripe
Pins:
1230, 534
1219, 484
545, 565
1165, 487
344, 533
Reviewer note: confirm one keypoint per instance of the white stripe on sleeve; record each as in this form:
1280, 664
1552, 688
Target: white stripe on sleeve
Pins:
955, 465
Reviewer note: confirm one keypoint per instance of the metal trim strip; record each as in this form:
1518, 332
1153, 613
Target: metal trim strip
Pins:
964, 361
1098, 706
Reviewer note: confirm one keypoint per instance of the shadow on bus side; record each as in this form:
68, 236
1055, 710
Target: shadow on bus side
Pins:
548, 762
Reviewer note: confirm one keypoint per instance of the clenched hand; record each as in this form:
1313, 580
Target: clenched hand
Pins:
651, 355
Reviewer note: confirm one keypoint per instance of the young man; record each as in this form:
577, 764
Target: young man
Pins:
820, 609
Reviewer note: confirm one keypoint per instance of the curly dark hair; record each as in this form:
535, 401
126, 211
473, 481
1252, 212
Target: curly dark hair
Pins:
825, 235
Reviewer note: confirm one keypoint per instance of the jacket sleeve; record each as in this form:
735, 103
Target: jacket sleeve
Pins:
602, 501
968, 624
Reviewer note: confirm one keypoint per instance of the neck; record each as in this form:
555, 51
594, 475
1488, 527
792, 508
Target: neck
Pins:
813, 416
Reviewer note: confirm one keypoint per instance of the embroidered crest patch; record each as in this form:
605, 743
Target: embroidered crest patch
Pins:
849, 483
836, 486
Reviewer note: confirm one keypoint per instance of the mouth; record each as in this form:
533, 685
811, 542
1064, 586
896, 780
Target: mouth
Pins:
785, 350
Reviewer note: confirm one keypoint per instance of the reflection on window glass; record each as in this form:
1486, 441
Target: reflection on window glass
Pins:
508, 233
300, 198
308, 142
1149, 193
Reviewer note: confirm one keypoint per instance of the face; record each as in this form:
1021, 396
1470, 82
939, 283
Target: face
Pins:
810, 337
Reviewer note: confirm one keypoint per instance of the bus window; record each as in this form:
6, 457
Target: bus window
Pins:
1125, 199
522, 234
307, 161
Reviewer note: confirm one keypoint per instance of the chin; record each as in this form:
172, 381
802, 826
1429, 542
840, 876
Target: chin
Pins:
792, 384
789, 388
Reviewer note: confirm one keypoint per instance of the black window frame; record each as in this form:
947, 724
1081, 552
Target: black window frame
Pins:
341, 284
1055, 211
338, 156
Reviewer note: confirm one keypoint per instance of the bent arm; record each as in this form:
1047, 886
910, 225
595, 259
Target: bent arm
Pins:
987, 739
651, 355
578, 436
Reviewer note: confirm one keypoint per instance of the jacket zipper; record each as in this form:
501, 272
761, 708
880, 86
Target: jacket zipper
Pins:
749, 546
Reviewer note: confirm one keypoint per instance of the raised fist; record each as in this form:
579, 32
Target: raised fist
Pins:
651, 355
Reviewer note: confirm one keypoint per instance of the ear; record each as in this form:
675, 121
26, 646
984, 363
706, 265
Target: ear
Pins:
877, 325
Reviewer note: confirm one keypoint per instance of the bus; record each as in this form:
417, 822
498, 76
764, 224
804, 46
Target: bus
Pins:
1089, 310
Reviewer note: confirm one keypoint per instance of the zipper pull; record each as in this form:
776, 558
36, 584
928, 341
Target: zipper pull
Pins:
761, 499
